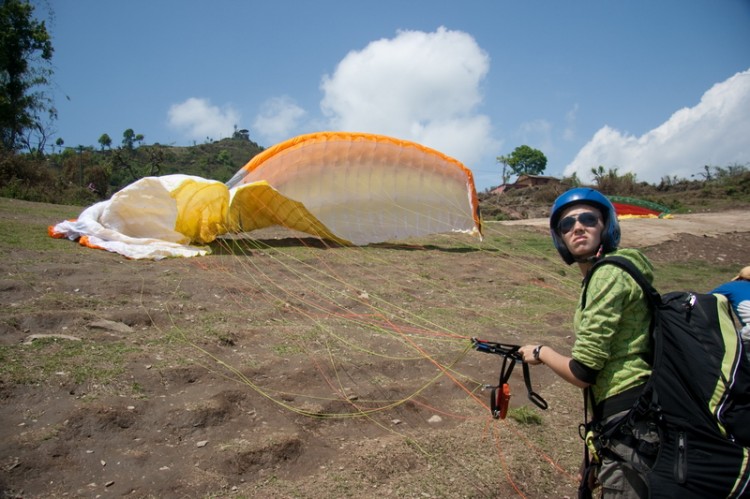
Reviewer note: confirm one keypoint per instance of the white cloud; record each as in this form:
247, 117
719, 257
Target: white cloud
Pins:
715, 132
197, 119
278, 117
424, 87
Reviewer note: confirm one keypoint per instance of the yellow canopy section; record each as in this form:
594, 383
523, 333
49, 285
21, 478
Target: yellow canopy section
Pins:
201, 209
350, 188
258, 205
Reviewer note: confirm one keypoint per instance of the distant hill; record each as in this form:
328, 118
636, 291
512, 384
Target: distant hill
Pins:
717, 193
217, 160
83, 175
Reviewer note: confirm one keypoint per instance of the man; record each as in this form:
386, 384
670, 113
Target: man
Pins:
737, 292
611, 350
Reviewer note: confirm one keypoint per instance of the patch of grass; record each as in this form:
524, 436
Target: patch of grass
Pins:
525, 415
691, 275
68, 301
287, 349
137, 389
20, 225
79, 361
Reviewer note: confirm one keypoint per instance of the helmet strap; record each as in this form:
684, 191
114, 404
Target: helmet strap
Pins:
594, 258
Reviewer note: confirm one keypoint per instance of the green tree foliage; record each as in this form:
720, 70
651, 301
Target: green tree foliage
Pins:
105, 141
610, 182
129, 138
84, 174
525, 160
25, 55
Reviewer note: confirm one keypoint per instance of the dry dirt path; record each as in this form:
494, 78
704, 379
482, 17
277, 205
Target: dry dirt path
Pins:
640, 232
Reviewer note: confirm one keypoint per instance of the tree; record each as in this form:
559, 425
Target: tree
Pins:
525, 160
105, 141
243, 134
25, 55
599, 173
129, 138
503, 160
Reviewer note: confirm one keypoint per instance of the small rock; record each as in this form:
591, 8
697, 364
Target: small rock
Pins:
118, 327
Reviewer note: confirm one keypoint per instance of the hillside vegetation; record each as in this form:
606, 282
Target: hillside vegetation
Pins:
81, 176
718, 189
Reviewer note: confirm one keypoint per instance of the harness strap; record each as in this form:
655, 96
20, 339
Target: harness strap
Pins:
533, 396
617, 403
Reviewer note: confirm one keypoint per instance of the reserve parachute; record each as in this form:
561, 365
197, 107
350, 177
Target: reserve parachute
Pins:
349, 188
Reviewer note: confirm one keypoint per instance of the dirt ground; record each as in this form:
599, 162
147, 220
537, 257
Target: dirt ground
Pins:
294, 370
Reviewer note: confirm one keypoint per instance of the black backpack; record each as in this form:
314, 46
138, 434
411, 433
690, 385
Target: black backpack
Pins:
698, 394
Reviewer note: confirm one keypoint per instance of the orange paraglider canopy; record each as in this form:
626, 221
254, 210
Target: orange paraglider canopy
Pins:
351, 188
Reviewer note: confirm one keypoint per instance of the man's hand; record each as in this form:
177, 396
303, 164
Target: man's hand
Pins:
527, 354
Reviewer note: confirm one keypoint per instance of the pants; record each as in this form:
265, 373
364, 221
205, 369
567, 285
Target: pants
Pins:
623, 468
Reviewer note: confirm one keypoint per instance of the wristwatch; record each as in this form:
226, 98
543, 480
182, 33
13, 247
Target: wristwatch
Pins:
536, 351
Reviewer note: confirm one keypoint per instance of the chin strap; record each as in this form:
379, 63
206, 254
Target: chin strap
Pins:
592, 259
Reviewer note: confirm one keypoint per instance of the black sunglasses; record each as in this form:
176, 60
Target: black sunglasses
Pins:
587, 219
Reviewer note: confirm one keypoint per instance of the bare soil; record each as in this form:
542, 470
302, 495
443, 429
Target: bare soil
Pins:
297, 370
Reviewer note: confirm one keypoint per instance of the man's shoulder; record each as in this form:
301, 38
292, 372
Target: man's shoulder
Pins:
638, 259
736, 287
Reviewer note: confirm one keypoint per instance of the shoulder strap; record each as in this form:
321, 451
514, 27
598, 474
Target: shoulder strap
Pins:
652, 296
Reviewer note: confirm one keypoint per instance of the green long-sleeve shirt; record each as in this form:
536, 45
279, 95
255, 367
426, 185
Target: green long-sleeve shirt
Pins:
612, 334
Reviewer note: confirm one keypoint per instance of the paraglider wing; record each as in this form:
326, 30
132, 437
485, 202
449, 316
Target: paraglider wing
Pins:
627, 207
369, 188
349, 188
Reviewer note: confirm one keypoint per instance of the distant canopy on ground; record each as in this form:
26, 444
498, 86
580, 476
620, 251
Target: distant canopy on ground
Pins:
350, 188
626, 207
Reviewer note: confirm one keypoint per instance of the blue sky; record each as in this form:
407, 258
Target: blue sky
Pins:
659, 88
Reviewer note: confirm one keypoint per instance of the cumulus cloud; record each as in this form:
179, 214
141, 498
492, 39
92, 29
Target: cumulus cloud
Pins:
714, 132
197, 119
424, 87
278, 118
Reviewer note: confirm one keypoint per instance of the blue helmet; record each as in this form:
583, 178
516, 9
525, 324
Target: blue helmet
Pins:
585, 195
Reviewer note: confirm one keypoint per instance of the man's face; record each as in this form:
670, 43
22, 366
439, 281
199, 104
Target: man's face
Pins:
580, 227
